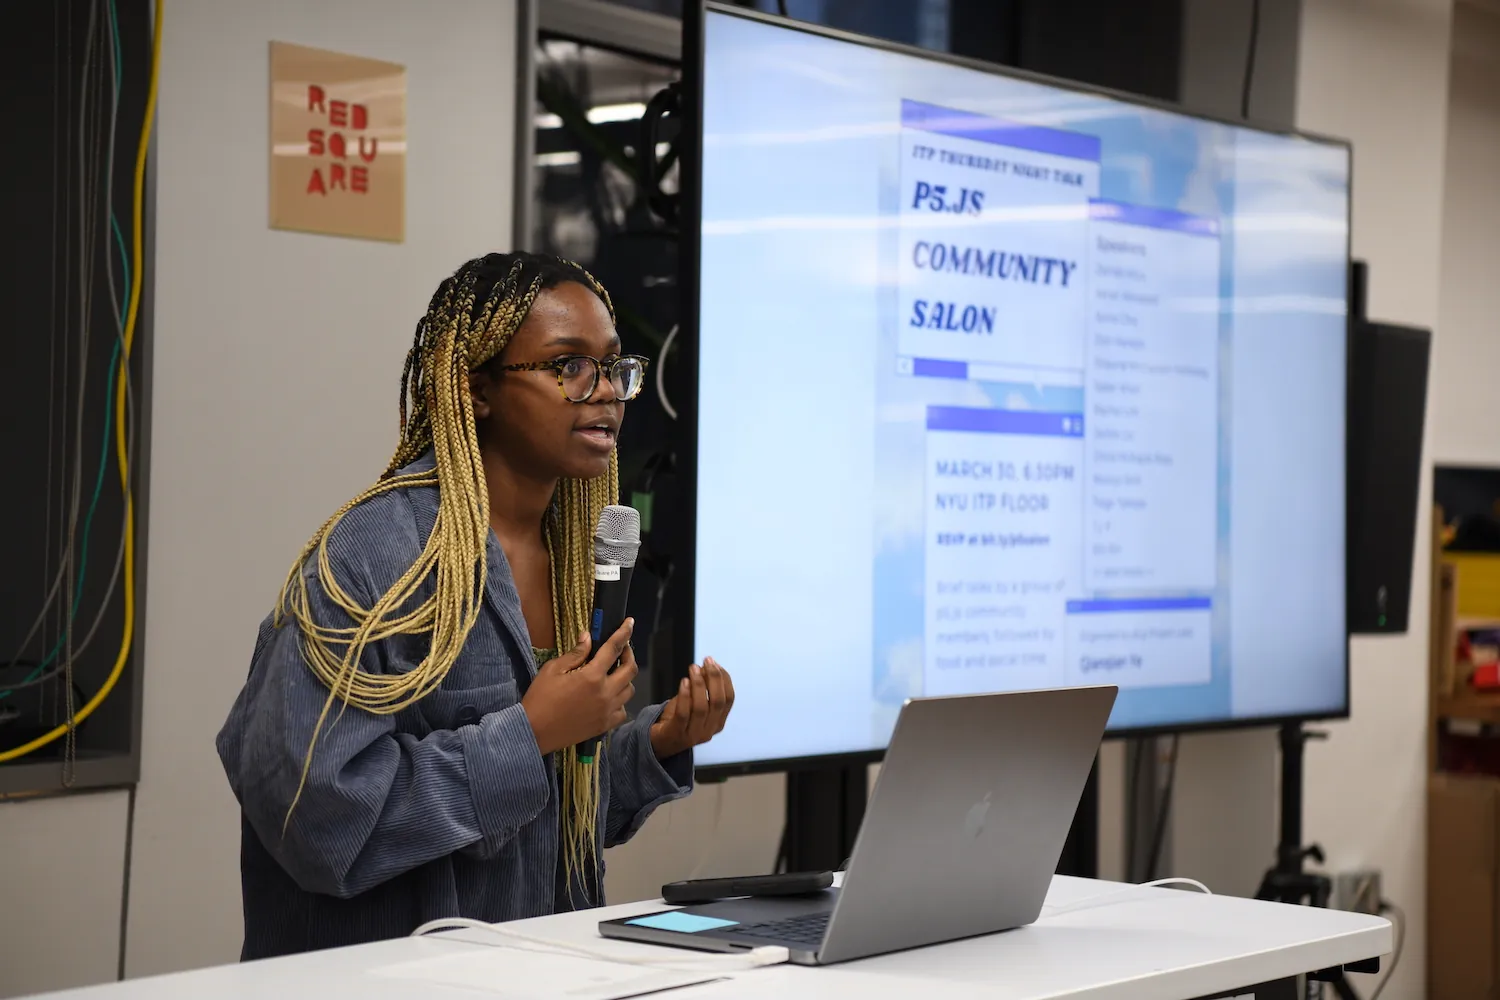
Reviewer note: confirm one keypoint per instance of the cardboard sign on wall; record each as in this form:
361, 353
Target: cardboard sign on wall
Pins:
338, 144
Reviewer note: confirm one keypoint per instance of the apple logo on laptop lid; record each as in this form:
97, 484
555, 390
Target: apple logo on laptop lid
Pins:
978, 813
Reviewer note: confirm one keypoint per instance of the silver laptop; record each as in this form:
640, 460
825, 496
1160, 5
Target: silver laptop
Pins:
961, 838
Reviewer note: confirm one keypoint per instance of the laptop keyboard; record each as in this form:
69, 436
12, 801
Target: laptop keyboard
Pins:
807, 929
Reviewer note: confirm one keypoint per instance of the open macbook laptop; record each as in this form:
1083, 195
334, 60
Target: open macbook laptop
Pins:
961, 838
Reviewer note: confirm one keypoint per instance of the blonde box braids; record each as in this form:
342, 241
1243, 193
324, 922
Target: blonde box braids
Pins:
471, 318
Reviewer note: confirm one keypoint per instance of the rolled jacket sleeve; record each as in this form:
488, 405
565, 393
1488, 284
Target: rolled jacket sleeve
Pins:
639, 783
508, 775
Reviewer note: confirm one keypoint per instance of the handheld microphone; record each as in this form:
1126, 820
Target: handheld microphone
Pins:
616, 542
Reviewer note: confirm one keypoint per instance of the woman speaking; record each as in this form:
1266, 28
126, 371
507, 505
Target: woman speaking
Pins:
404, 746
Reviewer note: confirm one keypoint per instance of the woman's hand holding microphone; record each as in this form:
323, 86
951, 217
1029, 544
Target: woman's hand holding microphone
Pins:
576, 697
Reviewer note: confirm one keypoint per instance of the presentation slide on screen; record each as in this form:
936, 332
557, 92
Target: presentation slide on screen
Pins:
1049, 391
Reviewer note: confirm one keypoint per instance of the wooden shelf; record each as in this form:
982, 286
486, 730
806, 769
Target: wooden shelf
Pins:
1470, 707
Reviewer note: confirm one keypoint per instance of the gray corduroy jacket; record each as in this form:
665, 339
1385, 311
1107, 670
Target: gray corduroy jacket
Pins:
445, 809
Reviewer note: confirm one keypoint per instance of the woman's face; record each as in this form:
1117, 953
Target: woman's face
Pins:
523, 415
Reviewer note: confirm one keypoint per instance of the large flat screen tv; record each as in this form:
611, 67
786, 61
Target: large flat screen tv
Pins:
1002, 383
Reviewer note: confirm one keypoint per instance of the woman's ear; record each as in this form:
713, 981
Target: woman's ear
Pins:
481, 386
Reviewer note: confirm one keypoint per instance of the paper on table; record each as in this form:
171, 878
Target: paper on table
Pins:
517, 974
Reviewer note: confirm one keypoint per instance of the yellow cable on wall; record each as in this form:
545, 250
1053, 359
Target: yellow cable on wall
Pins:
121, 451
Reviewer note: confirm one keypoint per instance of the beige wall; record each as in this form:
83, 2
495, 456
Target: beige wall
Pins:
62, 862
732, 828
1466, 359
1224, 821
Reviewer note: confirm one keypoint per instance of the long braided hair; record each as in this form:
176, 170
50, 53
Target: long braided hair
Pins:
471, 318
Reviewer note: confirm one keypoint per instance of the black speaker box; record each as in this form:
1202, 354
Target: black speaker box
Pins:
1387, 405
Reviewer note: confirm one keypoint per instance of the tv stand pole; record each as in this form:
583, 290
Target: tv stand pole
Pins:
1287, 881
825, 806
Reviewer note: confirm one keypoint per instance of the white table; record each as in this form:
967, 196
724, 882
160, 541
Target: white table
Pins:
1142, 944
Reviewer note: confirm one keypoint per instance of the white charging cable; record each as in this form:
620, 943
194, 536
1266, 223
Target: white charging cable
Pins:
1102, 898
754, 959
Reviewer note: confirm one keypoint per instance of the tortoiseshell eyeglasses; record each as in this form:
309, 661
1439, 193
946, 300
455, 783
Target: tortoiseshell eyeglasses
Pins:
578, 374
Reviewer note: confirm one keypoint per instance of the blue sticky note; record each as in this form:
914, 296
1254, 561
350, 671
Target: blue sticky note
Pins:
677, 920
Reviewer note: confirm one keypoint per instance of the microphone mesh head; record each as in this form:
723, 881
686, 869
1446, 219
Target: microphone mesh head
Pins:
618, 538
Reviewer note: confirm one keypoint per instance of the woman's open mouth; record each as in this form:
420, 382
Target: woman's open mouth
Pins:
601, 436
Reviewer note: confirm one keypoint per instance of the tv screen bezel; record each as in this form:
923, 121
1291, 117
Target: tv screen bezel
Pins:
690, 155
